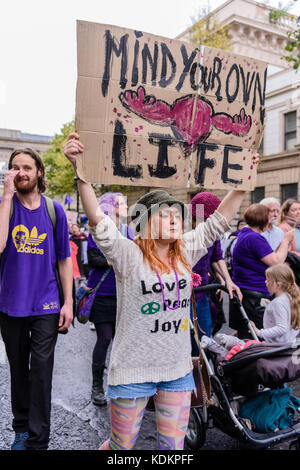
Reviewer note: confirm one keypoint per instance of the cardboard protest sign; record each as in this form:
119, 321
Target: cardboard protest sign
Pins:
159, 112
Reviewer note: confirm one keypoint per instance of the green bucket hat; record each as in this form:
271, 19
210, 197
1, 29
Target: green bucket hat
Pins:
150, 203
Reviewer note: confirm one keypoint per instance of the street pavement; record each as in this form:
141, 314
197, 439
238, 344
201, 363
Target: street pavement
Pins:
76, 423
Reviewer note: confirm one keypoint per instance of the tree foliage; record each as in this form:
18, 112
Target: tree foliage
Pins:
207, 31
210, 33
293, 34
59, 171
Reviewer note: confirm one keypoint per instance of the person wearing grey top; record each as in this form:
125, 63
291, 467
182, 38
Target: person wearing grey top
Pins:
277, 321
151, 353
281, 320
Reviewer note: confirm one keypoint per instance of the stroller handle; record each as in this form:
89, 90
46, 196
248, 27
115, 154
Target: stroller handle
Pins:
211, 287
215, 287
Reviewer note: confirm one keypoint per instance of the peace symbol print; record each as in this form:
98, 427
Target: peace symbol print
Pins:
150, 308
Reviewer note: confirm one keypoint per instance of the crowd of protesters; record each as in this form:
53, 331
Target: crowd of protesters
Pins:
146, 270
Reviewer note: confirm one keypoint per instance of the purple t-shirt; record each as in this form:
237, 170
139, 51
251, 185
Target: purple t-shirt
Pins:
248, 269
214, 253
27, 272
108, 286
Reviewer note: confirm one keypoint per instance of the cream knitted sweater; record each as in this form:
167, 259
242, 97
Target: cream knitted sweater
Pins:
152, 343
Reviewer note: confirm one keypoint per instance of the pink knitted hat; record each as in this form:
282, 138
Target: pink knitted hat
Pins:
209, 201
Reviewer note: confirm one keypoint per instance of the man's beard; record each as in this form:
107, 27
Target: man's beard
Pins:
274, 220
28, 188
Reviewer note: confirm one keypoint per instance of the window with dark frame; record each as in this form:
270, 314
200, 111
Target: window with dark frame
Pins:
290, 126
258, 194
289, 191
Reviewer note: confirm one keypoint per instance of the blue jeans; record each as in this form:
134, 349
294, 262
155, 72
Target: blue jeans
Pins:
148, 389
204, 320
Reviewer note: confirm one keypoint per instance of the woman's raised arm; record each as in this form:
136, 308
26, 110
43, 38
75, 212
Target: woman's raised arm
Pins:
231, 204
89, 201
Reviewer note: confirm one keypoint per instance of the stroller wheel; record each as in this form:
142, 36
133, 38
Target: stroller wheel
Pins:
295, 445
196, 431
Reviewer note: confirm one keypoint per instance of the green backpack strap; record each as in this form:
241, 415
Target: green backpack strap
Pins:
51, 211
12, 208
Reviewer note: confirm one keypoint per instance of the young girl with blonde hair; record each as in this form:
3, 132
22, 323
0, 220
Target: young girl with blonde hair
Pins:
281, 319
151, 352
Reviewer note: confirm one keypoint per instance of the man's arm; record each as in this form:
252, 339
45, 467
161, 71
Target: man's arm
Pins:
231, 204
65, 268
8, 193
221, 269
279, 256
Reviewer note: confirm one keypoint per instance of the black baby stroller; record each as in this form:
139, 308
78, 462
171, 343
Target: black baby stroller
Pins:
253, 370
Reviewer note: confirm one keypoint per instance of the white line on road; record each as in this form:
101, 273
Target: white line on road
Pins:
2, 353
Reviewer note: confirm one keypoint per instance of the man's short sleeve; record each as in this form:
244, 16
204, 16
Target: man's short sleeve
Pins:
61, 239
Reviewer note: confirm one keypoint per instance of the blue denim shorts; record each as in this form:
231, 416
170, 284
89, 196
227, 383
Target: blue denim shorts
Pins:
148, 389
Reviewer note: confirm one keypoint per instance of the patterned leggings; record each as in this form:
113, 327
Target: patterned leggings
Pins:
172, 416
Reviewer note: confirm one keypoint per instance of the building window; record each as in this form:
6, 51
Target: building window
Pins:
289, 191
258, 194
290, 126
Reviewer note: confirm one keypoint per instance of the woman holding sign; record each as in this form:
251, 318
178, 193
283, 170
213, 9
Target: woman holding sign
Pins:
151, 353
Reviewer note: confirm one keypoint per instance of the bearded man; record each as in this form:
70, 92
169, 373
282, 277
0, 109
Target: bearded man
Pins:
31, 247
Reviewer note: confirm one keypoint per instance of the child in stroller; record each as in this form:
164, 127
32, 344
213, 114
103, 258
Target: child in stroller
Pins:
239, 370
225, 346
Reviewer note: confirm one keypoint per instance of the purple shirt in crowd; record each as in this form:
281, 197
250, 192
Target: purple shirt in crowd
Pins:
27, 272
248, 269
108, 286
214, 253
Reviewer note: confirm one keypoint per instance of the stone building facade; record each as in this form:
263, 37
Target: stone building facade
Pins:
11, 140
